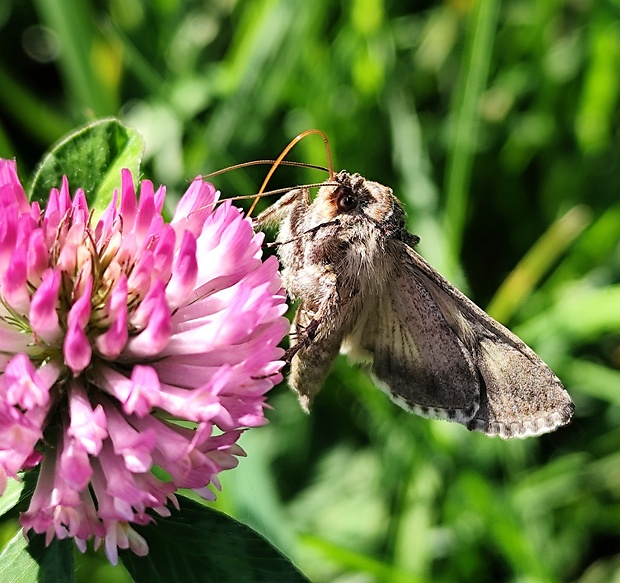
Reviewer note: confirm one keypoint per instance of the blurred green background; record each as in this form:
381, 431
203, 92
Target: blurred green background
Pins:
498, 125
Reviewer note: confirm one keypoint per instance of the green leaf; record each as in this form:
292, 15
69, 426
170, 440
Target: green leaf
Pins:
18, 490
23, 561
11, 495
202, 544
91, 158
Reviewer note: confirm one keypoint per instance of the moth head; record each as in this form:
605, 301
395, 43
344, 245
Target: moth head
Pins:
354, 198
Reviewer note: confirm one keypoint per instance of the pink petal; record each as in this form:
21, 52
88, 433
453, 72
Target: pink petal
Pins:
73, 241
24, 387
184, 272
14, 286
74, 467
145, 391
43, 315
8, 234
111, 343
164, 252
134, 446
37, 258
76, 347
142, 275
156, 335
11, 190
88, 426
194, 207
129, 205
146, 209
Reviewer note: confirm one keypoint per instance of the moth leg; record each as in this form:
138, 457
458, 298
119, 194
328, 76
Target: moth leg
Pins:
303, 338
306, 336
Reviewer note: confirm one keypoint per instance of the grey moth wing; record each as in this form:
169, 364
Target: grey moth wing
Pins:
413, 352
439, 355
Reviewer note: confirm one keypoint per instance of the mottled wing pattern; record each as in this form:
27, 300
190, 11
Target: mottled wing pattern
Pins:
436, 351
416, 357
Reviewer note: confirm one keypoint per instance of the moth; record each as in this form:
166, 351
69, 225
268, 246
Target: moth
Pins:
363, 290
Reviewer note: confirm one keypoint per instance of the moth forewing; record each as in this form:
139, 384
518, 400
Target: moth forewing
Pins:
519, 394
363, 290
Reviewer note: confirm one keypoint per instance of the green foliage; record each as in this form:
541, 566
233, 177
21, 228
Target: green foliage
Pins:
498, 126
198, 544
91, 157
23, 560
11, 495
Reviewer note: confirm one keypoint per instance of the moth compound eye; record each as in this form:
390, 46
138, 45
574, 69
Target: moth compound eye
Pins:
346, 202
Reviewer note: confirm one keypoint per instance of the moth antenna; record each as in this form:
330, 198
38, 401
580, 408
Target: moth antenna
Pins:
282, 190
266, 192
258, 162
275, 164
279, 160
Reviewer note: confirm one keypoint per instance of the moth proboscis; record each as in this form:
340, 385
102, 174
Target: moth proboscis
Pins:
363, 290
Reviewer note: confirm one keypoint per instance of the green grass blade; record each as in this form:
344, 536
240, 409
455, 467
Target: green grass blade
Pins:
537, 262
73, 25
464, 130
35, 115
